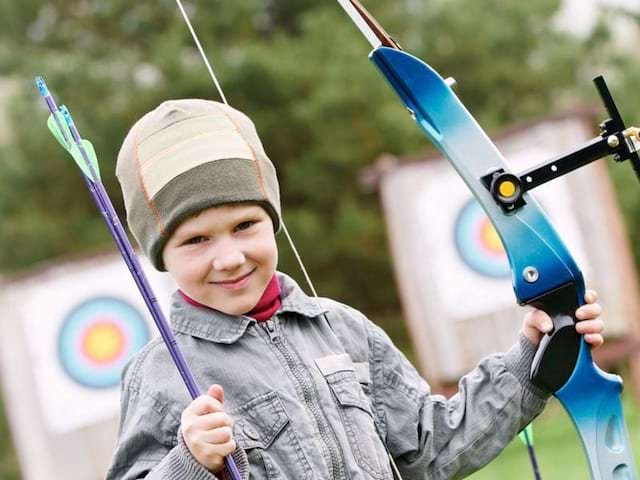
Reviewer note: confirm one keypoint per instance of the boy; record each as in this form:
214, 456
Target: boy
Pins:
312, 389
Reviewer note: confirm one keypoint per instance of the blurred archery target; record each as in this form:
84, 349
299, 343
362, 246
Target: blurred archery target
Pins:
97, 338
478, 243
79, 323
459, 246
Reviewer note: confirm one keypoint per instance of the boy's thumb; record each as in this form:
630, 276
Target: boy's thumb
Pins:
216, 391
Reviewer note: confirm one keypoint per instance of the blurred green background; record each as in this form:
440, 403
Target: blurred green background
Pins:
298, 68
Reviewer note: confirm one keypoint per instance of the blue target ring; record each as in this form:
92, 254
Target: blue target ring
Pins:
97, 338
478, 243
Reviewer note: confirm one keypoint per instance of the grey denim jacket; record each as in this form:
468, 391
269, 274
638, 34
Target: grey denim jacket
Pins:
311, 392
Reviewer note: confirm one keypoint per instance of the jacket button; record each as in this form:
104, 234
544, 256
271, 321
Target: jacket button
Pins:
250, 432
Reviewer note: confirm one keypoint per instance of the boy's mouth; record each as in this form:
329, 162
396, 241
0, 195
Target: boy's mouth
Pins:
234, 283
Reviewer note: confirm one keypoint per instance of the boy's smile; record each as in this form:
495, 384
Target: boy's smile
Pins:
235, 283
224, 257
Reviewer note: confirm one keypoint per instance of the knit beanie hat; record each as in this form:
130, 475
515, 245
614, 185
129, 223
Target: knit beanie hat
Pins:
184, 157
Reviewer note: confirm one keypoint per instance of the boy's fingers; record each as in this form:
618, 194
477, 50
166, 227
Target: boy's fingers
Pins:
218, 436
594, 339
204, 404
216, 391
214, 420
589, 311
539, 320
217, 451
590, 326
590, 296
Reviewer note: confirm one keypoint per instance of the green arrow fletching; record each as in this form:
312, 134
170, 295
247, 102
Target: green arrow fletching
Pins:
91, 153
526, 435
54, 124
55, 128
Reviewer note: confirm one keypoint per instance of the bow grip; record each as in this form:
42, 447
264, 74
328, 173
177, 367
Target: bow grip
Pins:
557, 354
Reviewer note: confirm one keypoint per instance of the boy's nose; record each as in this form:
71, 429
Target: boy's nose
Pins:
228, 258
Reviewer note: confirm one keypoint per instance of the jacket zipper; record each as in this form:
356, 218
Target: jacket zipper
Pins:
309, 393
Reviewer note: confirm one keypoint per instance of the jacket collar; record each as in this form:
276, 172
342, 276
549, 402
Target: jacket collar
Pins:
219, 327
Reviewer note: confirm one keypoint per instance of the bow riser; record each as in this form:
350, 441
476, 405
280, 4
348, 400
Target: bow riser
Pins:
544, 274
452, 129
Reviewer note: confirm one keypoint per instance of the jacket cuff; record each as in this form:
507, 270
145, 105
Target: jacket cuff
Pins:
180, 463
518, 361
240, 459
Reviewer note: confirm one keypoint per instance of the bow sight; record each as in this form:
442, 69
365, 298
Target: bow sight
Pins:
615, 139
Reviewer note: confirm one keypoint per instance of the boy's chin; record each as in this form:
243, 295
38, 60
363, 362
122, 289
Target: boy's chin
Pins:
236, 308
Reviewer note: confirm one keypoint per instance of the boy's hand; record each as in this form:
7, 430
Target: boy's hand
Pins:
537, 322
206, 429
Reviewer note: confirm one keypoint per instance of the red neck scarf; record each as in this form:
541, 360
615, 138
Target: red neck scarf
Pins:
268, 304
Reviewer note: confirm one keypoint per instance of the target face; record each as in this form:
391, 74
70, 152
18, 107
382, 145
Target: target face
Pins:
97, 338
478, 243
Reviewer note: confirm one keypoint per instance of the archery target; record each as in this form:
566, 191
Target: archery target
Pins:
82, 321
97, 338
478, 244
460, 248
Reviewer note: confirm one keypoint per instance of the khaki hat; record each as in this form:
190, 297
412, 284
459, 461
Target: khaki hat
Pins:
184, 157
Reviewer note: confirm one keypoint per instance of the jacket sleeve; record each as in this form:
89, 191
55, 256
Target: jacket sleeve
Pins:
150, 445
432, 437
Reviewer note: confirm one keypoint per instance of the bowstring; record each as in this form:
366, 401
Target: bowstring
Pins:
201, 50
224, 99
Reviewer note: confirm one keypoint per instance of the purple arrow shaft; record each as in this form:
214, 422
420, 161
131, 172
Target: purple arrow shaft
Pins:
102, 200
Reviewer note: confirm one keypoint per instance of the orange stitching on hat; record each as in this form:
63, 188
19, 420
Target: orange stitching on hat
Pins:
253, 152
152, 207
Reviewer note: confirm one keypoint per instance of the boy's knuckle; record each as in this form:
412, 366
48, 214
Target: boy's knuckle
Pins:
229, 448
222, 418
187, 427
226, 433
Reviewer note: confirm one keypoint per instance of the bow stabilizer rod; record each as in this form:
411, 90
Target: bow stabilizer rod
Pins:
615, 139
544, 274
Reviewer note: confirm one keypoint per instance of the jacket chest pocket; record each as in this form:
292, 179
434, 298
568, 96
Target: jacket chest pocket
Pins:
356, 415
263, 429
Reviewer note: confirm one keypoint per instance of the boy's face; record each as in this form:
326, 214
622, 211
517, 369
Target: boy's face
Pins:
224, 257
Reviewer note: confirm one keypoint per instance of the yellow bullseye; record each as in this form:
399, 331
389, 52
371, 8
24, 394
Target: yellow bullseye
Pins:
103, 342
507, 189
490, 238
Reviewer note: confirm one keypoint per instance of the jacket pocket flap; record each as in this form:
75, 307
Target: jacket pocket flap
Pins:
335, 363
347, 391
259, 421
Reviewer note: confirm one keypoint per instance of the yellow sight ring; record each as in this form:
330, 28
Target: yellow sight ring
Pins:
507, 189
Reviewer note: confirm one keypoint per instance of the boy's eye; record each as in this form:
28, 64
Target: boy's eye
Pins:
195, 240
245, 225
